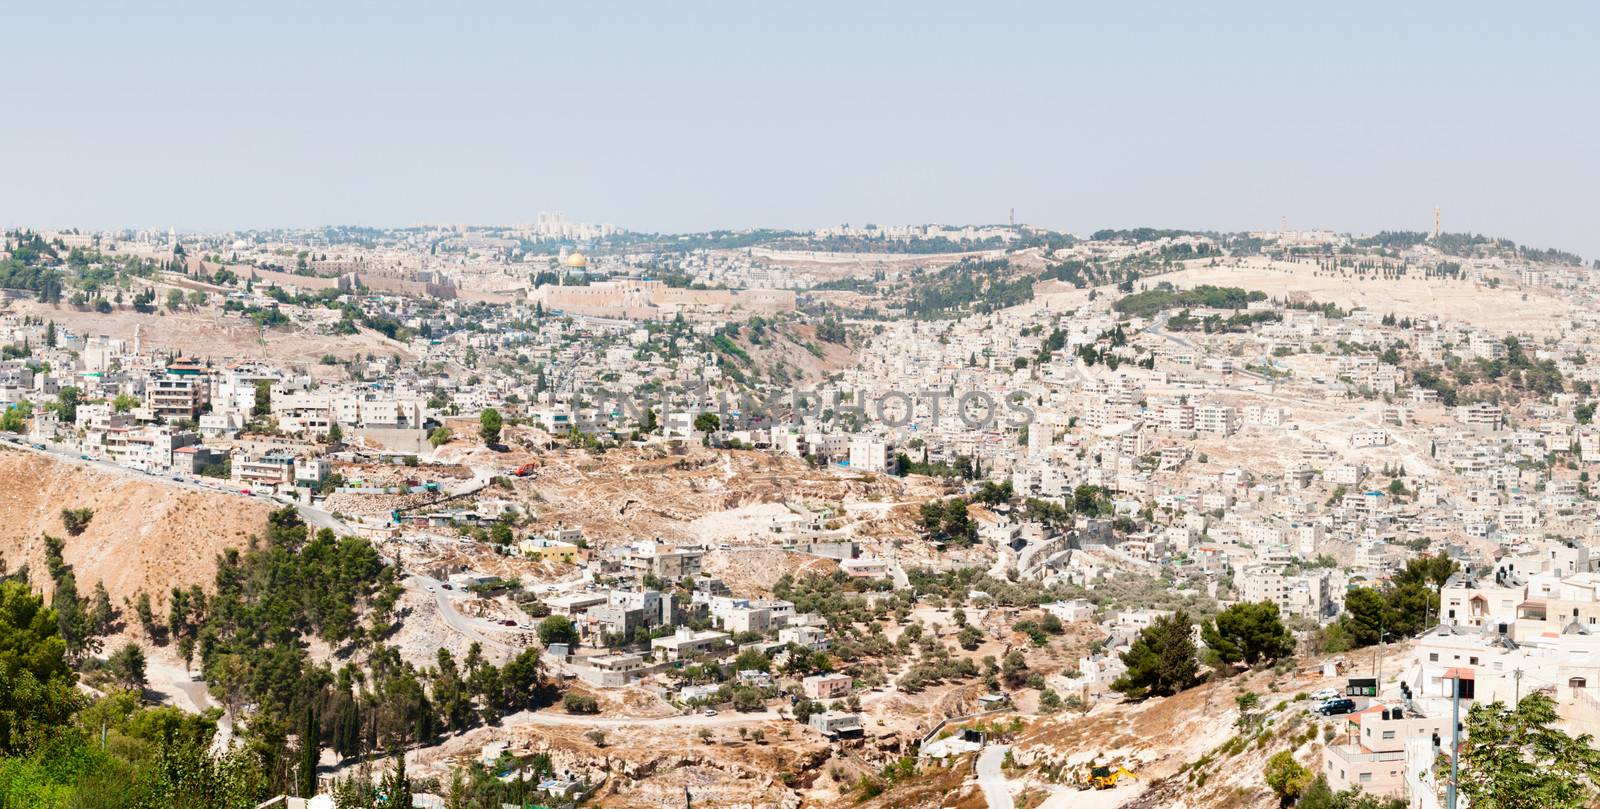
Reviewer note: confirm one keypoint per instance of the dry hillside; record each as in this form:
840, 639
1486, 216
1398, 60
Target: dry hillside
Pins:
210, 333
145, 534
644, 493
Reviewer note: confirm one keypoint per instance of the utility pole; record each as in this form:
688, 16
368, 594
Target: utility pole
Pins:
1455, 739
1516, 676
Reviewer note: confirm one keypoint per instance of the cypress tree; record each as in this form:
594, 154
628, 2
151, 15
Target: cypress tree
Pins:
309, 753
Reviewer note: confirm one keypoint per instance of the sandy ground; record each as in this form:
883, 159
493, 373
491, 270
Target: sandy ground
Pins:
209, 333
145, 534
1532, 310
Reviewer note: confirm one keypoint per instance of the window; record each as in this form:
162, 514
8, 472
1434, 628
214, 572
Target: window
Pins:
1433, 657
1366, 777
1388, 734
1577, 682
1473, 660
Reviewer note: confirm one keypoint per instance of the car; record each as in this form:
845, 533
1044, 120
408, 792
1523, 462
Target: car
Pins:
1325, 694
244, 491
447, 586
1336, 707
711, 712
178, 478
508, 622
430, 588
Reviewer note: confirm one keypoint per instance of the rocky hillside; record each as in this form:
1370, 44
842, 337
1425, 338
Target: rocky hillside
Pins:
145, 533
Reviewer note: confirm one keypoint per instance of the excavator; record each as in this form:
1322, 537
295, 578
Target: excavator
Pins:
1097, 777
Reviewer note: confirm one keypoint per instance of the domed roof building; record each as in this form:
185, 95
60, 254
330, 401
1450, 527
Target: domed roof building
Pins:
575, 261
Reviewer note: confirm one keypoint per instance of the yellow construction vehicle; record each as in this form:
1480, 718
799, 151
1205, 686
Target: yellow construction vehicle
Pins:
1098, 777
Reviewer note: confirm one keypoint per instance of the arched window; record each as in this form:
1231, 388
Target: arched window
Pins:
1577, 682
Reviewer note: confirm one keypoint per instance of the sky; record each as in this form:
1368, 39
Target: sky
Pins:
685, 116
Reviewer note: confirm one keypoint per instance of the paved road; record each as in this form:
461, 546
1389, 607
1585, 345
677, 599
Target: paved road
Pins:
490, 632
991, 779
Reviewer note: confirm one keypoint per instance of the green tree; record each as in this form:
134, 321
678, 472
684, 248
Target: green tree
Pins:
969, 637
147, 615
75, 520
101, 613
127, 666
1514, 758
310, 751
263, 404
439, 437
1014, 668
1248, 632
174, 299
15, 418
37, 691
1287, 778
66, 404
558, 629
396, 786
1366, 616
707, 423
752, 660
1162, 660
489, 424
500, 534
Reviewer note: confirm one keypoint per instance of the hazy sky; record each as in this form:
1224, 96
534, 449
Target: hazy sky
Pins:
685, 116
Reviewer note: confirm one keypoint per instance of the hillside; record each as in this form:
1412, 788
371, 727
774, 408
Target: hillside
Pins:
145, 534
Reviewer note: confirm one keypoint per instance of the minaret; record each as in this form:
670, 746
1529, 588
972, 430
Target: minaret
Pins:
1436, 223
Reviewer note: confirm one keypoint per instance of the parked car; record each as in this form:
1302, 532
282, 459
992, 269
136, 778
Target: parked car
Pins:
1335, 707
711, 712
1325, 694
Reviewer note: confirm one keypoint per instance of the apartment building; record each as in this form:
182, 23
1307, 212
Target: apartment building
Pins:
1372, 754
178, 397
1216, 419
870, 454
271, 468
668, 564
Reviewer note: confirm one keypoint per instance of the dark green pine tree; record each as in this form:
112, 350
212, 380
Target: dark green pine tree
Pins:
310, 751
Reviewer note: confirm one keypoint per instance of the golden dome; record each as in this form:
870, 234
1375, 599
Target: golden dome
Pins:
575, 261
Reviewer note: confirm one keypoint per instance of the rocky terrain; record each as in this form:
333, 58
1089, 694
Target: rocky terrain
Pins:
146, 534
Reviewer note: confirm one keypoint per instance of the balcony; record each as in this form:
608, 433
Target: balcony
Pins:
1352, 753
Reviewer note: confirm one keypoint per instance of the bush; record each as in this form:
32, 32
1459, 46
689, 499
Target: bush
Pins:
76, 519
580, 704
